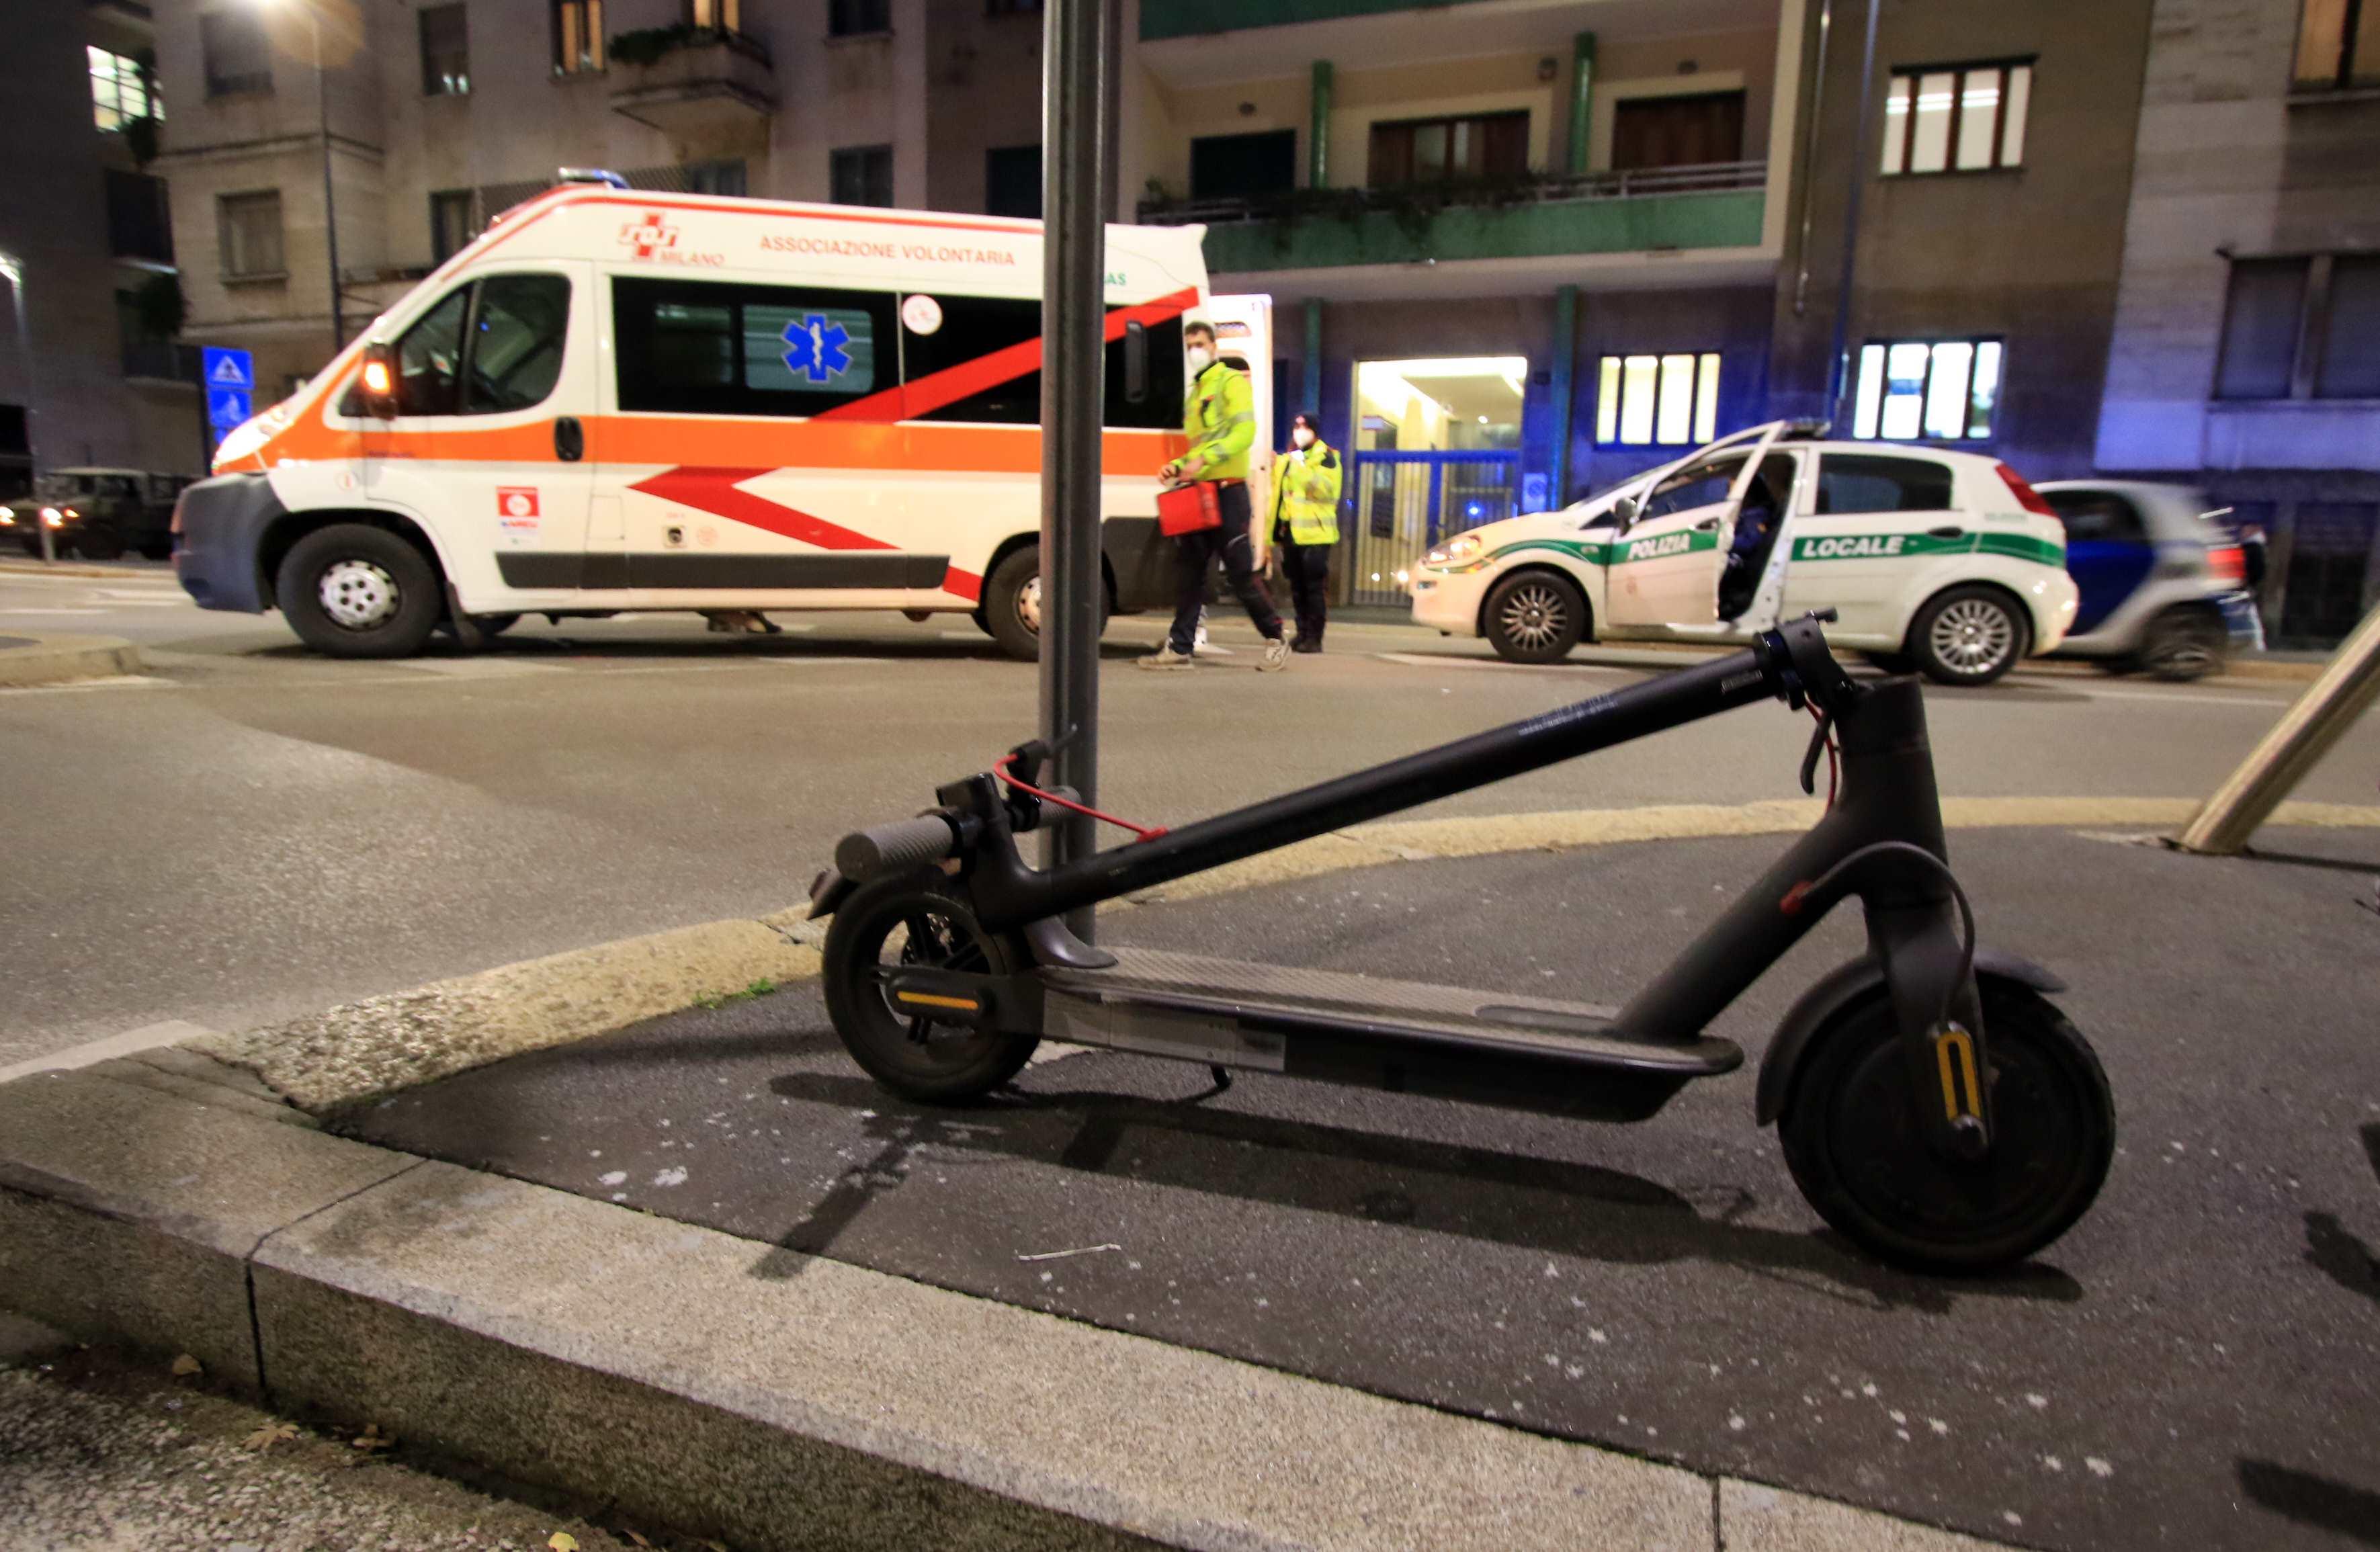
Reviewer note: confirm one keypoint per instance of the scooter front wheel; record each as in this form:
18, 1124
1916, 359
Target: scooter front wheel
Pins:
917, 918
1856, 1141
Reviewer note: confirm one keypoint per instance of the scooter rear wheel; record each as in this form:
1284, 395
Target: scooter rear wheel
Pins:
1856, 1141
917, 918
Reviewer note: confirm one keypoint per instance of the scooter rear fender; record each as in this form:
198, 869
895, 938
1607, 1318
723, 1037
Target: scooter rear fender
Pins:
1847, 984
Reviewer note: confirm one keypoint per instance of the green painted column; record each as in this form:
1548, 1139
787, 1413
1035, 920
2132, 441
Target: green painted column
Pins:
1565, 372
1582, 101
1313, 404
1318, 133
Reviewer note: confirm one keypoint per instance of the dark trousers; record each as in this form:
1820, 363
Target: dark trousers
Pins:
1196, 557
1307, 566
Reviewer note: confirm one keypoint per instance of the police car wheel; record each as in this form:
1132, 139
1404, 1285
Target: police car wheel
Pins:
1535, 617
1969, 636
355, 591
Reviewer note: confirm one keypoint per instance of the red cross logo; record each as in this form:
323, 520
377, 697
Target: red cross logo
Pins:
648, 235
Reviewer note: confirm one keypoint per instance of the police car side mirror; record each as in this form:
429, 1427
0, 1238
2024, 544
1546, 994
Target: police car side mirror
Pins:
1626, 510
376, 387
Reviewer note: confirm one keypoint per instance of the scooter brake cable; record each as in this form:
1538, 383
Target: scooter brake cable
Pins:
1140, 832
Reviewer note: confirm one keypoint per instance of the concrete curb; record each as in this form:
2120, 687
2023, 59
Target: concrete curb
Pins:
359, 1052
734, 1389
56, 659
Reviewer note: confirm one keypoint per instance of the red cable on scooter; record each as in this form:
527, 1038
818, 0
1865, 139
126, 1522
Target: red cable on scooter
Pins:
1139, 833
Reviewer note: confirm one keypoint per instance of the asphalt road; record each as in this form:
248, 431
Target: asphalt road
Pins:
2196, 1365
249, 832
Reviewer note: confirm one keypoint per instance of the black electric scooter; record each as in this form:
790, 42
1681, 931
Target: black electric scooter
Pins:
1933, 1106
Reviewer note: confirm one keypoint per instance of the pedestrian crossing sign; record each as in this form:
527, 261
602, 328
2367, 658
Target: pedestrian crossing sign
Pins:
228, 368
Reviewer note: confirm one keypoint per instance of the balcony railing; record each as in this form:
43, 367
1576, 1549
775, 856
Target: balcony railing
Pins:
1636, 183
1710, 206
160, 360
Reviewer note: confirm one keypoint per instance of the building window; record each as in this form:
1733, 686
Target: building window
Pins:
445, 52
853, 18
1686, 131
2330, 554
577, 37
2302, 327
1011, 7
2339, 45
1667, 401
451, 226
1012, 181
1468, 150
716, 177
2261, 318
1942, 389
862, 176
120, 90
250, 227
1964, 119
238, 57
140, 220
715, 16
1243, 166
2350, 334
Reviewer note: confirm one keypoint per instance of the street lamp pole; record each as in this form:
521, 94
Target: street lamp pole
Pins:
330, 203
14, 269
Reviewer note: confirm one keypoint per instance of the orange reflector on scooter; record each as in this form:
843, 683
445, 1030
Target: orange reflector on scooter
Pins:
929, 1000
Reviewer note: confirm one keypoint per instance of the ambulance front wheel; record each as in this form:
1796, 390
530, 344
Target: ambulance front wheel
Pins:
1010, 610
356, 591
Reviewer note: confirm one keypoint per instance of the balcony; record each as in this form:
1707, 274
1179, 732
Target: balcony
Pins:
1183, 19
1666, 210
695, 84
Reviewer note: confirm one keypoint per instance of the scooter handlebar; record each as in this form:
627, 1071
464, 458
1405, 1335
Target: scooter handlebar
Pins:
901, 843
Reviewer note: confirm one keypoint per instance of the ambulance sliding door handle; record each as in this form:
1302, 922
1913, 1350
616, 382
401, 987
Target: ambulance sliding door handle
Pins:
569, 439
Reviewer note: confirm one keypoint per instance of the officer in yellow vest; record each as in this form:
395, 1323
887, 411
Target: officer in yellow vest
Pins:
1305, 525
1218, 416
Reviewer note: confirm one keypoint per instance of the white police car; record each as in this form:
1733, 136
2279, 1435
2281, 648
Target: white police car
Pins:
1944, 561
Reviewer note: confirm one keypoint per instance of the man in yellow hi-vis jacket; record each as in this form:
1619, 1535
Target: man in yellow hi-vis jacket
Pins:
1219, 416
1305, 525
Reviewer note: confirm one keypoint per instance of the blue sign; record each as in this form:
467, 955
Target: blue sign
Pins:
817, 348
1533, 491
228, 408
228, 368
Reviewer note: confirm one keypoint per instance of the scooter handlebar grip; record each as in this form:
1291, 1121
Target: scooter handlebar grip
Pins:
886, 847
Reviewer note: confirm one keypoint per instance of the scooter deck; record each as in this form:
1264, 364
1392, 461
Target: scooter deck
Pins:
1395, 1034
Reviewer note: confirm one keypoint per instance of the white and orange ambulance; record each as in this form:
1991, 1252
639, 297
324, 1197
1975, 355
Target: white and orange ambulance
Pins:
615, 400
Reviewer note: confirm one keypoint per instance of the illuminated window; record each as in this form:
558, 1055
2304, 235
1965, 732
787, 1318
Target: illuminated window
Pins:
577, 36
1670, 401
120, 90
1926, 390
1963, 118
2339, 45
445, 52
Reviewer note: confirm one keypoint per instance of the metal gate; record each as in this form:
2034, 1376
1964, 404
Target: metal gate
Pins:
1407, 501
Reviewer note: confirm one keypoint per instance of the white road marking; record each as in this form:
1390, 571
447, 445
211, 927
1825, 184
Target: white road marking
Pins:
479, 668
144, 595
2183, 697
149, 1037
1432, 659
113, 682
11, 614
148, 603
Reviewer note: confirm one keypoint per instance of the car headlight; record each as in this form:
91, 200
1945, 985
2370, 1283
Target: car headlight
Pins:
1452, 550
50, 515
7, 516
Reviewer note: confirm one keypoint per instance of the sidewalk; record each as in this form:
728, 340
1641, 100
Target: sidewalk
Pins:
714, 1264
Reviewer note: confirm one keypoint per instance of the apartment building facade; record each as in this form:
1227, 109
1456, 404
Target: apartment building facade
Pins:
95, 378
434, 116
2246, 346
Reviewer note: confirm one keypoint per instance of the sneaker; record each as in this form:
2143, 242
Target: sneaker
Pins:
1166, 659
1275, 656
1305, 644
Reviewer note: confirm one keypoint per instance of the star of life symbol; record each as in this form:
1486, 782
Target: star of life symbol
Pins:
815, 347
649, 236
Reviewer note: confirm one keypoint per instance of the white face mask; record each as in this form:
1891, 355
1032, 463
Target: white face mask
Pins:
1303, 437
1201, 358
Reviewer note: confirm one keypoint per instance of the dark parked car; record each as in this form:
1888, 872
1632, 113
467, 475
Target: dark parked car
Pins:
99, 514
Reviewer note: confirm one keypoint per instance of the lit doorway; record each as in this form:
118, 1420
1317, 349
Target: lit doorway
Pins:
1438, 450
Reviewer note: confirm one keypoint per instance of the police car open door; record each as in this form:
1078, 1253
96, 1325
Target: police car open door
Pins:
1665, 565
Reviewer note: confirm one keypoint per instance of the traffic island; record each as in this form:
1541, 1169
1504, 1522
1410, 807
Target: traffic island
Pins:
701, 1262
47, 659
